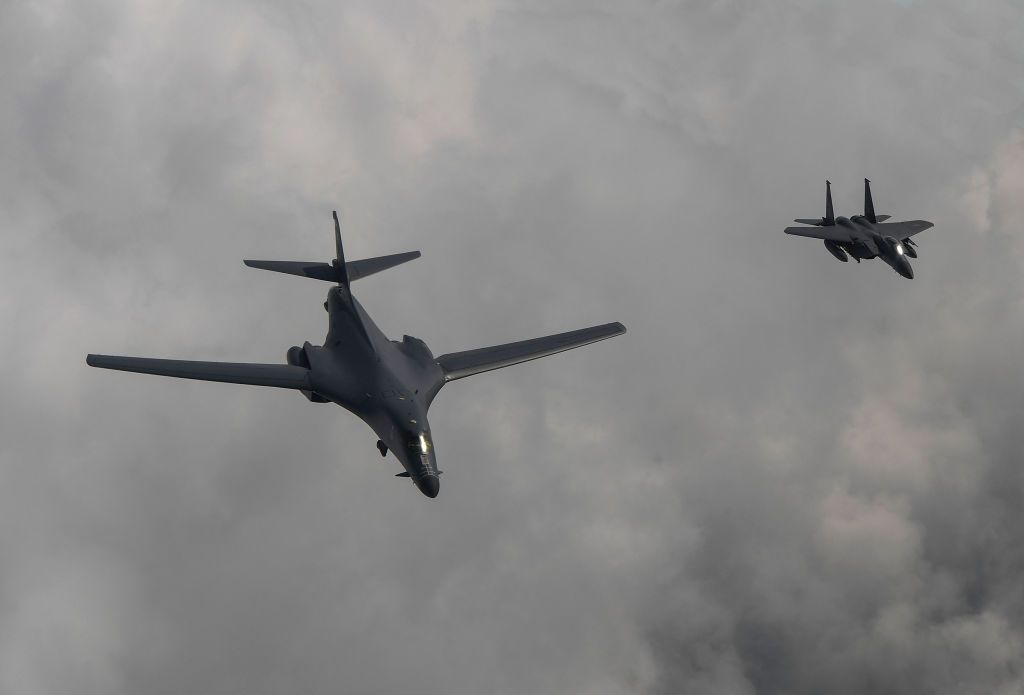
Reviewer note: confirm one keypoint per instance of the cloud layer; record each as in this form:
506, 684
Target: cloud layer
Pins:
790, 476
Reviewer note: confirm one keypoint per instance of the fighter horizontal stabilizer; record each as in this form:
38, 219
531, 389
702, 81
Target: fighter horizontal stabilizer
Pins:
283, 376
457, 365
325, 271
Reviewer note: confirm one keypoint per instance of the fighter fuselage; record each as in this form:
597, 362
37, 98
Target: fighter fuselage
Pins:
867, 238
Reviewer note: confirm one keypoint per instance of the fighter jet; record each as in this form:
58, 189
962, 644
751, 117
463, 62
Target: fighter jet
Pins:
389, 384
865, 236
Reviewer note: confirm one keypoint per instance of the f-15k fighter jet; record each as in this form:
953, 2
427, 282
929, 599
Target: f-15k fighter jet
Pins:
865, 236
389, 384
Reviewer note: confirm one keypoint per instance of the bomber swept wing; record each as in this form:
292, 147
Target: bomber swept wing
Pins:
457, 365
283, 376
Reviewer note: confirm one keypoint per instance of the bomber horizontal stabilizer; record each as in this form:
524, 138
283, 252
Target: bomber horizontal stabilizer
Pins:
326, 271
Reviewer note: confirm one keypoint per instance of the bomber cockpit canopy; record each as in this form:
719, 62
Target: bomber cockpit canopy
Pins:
419, 442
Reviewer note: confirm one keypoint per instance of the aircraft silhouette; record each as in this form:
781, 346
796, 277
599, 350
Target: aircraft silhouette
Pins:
865, 236
386, 383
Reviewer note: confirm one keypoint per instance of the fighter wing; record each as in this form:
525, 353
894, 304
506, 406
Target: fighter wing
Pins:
903, 230
283, 376
831, 232
457, 365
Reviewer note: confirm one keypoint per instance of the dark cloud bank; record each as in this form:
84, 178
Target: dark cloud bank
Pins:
791, 476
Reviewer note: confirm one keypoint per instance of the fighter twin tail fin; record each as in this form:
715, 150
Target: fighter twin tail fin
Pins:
869, 205
829, 220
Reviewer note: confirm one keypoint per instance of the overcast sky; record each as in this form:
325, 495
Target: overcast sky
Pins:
789, 476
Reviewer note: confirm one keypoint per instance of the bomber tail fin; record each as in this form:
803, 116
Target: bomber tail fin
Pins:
341, 268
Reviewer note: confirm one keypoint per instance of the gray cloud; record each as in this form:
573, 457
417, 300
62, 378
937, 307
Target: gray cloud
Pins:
791, 476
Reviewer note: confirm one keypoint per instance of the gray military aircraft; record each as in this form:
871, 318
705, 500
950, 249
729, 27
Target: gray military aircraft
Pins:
386, 383
865, 236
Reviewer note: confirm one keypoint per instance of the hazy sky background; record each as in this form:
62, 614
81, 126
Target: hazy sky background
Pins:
790, 476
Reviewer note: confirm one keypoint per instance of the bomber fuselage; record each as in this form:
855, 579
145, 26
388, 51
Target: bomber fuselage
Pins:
387, 384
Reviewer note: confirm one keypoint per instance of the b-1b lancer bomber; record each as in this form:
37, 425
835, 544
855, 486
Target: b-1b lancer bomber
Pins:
865, 236
389, 384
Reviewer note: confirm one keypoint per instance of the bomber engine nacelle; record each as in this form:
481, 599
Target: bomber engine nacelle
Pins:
297, 357
417, 349
836, 250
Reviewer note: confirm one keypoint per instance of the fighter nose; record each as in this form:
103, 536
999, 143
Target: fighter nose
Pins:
908, 271
429, 485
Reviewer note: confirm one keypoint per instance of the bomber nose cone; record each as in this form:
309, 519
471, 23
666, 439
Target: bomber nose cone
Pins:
429, 485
